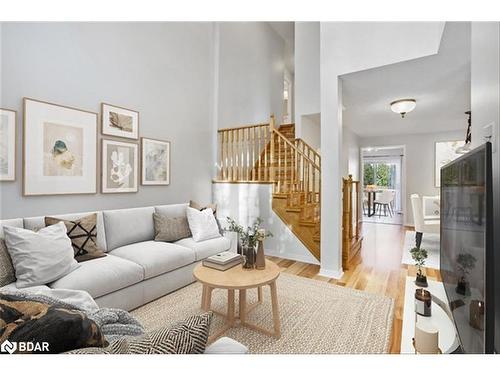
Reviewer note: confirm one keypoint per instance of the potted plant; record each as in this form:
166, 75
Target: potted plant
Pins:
465, 263
248, 239
419, 255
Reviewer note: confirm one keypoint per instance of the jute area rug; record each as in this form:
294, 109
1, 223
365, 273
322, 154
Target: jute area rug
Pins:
316, 317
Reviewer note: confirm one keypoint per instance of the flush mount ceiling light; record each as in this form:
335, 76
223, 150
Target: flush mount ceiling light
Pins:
403, 106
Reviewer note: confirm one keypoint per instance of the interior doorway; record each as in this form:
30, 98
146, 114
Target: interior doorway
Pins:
383, 184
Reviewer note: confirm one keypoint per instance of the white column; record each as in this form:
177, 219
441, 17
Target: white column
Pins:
331, 160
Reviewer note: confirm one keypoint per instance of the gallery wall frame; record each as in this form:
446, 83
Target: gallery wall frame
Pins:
59, 149
119, 121
8, 144
116, 169
158, 174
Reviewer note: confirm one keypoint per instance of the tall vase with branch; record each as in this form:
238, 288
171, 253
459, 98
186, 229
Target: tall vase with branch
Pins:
249, 238
419, 255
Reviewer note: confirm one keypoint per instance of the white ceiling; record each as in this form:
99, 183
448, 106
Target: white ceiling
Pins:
440, 84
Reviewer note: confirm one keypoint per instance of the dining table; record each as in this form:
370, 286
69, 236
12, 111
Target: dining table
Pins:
371, 193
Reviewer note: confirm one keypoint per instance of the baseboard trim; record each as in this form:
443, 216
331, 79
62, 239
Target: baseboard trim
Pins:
333, 274
296, 258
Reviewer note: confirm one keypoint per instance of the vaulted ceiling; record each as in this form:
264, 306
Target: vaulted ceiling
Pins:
440, 84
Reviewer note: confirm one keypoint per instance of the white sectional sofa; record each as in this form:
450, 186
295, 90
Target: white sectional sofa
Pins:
137, 269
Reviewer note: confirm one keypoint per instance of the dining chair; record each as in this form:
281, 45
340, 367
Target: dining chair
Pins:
384, 200
422, 225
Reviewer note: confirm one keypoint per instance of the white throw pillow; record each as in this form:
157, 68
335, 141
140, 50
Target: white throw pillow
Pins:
40, 257
202, 224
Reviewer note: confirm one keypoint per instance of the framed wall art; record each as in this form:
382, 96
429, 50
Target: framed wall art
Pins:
119, 122
155, 162
8, 142
444, 153
119, 166
60, 149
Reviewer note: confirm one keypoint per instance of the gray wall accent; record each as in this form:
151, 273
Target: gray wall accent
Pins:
251, 74
162, 70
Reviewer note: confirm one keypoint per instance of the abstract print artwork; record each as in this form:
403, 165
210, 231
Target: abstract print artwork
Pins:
155, 162
445, 152
119, 166
120, 122
60, 149
8, 136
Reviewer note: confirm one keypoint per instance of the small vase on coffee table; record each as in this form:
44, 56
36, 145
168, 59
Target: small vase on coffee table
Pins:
260, 261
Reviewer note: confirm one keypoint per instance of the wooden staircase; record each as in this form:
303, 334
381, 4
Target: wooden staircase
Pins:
263, 153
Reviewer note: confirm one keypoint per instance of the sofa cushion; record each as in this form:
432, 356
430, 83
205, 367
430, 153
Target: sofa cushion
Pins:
101, 276
172, 210
170, 229
17, 223
206, 248
40, 257
83, 235
155, 257
37, 222
128, 226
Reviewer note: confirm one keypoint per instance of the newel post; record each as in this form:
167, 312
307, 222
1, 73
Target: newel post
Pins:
272, 159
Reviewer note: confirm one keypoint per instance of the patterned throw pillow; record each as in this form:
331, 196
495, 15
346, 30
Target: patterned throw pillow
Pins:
169, 229
7, 273
83, 235
187, 337
22, 319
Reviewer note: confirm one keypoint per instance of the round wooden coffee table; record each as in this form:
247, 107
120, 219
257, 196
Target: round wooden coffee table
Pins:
238, 278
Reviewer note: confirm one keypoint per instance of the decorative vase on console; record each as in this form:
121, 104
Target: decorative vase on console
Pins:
419, 255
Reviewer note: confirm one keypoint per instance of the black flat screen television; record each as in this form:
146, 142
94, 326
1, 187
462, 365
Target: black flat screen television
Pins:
466, 256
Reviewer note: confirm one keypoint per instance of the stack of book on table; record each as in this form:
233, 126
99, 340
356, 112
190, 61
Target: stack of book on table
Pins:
223, 261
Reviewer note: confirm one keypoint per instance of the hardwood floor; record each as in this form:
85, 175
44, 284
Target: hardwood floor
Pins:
376, 269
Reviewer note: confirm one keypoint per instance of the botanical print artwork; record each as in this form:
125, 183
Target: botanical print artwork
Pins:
4, 144
121, 171
155, 162
62, 150
119, 167
120, 121
445, 152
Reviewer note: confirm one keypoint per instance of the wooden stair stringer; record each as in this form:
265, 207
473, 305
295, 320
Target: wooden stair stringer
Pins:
305, 234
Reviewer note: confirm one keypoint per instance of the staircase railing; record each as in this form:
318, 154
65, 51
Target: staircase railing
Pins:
240, 149
309, 151
351, 224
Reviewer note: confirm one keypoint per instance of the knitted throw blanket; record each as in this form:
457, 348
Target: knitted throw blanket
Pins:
114, 323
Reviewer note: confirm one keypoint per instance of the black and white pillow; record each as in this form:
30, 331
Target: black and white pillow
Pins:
187, 337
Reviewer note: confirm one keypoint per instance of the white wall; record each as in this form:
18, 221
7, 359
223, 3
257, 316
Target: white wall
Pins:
246, 202
307, 76
346, 47
418, 161
311, 130
163, 70
251, 72
350, 154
